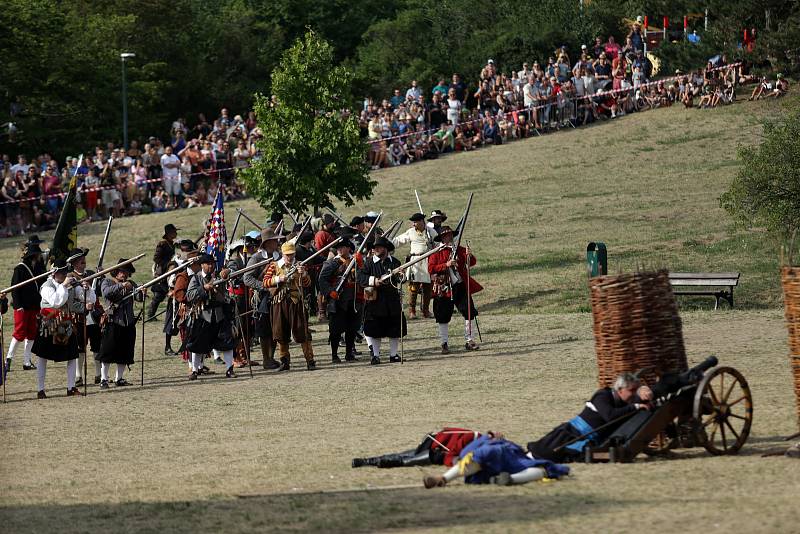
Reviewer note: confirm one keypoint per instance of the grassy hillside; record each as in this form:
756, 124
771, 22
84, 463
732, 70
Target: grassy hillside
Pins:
647, 185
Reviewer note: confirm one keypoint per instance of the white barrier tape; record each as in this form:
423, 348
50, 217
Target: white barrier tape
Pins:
85, 189
554, 102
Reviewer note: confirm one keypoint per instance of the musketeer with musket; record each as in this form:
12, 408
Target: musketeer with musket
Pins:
88, 312
383, 314
56, 338
119, 332
420, 239
211, 312
337, 282
261, 302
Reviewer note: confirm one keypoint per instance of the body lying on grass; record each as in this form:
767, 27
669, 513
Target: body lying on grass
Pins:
437, 448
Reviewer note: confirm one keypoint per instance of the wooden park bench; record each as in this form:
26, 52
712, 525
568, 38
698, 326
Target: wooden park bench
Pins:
717, 285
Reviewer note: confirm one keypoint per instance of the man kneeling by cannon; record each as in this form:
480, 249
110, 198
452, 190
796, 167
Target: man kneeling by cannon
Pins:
565, 442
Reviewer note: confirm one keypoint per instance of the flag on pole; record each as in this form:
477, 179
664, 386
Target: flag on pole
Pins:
217, 237
65, 238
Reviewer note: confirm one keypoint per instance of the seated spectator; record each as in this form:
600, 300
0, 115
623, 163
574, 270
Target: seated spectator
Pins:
491, 132
443, 140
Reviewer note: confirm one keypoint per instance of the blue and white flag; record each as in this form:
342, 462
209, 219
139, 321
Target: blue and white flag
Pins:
217, 237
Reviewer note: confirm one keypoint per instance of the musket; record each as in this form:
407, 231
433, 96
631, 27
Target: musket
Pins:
157, 279
292, 215
304, 227
461, 225
344, 223
419, 204
105, 243
294, 267
235, 226
389, 234
239, 272
28, 281
408, 264
353, 259
249, 219
105, 271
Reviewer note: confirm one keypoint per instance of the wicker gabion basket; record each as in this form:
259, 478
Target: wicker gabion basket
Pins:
636, 326
790, 278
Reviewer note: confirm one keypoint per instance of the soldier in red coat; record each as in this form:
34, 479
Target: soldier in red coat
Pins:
437, 448
453, 288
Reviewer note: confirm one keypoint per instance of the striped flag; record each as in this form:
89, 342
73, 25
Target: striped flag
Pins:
217, 237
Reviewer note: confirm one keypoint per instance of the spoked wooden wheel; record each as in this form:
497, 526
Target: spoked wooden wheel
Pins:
723, 406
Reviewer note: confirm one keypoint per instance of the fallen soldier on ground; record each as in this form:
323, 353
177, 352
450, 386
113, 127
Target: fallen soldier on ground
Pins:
495, 460
440, 448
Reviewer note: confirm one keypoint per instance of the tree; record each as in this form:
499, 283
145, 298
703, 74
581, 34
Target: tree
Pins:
766, 191
311, 150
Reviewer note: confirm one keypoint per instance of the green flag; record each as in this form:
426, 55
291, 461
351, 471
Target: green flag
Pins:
66, 236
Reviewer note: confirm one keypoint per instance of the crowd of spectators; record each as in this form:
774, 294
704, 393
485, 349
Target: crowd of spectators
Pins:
148, 177
604, 81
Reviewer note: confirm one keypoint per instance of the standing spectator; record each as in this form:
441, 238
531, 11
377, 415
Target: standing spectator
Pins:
612, 47
453, 107
435, 112
460, 88
91, 183
440, 87
413, 92
51, 186
598, 47
241, 156
21, 165
224, 119
169, 171
396, 99
636, 35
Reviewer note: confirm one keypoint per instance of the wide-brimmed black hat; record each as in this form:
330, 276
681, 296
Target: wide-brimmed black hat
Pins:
437, 213
305, 237
34, 240
345, 231
328, 219
77, 253
128, 267
207, 258
383, 242
346, 243
417, 217
61, 266
355, 221
169, 228
445, 230
31, 249
187, 245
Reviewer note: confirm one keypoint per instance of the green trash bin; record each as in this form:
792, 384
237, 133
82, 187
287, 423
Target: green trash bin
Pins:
596, 259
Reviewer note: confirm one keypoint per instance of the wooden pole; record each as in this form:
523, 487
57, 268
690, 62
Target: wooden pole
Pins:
3, 359
85, 345
144, 300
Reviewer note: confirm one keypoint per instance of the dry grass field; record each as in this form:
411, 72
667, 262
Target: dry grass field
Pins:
273, 453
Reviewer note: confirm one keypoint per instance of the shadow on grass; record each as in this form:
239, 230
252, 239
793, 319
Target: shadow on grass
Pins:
339, 511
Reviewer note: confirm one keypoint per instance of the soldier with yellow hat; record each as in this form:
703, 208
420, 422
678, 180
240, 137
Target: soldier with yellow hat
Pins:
287, 282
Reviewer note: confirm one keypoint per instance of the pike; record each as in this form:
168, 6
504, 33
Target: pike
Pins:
352, 263
235, 226
157, 279
106, 271
419, 204
304, 227
291, 214
249, 219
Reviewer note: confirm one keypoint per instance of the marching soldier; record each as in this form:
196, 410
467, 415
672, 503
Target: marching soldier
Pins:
238, 292
211, 317
323, 238
359, 229
305, 248
25, 301
165, 250
119, 334
81, 314
420, 239
261, 302
450, 283
383, 313
343, 316
287, 283
56, 339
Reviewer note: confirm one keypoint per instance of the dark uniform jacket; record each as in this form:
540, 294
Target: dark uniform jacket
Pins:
329, 276
121, 312
388, 299
26, 297
163, 254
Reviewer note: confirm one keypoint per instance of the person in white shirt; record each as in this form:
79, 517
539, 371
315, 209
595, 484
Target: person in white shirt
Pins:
420, 239
170, 166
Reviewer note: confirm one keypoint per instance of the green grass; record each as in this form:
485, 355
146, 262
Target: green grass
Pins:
273, 453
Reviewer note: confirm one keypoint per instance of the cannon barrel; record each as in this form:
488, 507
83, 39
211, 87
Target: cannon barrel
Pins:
696, 373
672, 382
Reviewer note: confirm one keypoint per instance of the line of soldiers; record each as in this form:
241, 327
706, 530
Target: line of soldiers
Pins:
355, 286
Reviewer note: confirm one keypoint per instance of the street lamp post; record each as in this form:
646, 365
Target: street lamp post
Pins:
123, 57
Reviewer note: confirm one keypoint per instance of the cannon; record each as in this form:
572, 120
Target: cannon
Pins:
707, 406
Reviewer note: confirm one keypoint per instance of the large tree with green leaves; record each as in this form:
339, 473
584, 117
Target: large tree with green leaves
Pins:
310, 151
766, 191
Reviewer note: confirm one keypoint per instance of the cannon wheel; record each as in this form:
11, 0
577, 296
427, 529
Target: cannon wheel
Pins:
723, 405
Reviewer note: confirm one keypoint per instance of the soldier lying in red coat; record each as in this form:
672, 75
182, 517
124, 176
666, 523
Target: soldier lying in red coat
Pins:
440, 448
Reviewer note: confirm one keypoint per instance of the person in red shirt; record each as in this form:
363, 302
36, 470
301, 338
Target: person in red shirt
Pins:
437, 448
321, 239
453, 288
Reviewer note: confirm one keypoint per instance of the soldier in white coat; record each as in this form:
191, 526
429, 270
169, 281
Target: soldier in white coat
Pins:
420, 239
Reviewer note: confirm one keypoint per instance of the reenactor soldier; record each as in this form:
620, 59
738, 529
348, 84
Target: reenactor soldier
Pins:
165, 250
261, 301
420, 239
286, 283
343, 316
